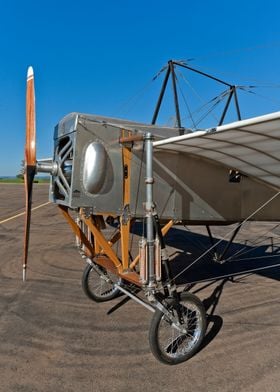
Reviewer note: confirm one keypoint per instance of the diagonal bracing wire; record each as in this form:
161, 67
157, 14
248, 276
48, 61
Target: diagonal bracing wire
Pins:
204, 103
249, 271
255, 242
221, 97
250, 91
186, 103
224, 238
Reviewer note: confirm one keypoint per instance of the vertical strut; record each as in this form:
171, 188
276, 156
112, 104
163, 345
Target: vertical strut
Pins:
175, 94
155, 116
237, 104
234, 234
171, 71
149, 209
125, 220
231, 92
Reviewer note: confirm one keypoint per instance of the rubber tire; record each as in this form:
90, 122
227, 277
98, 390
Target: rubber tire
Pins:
156, 349
92, 294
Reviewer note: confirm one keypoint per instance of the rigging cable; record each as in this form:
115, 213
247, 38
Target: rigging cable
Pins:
249, 271
231, 232
186, 103
198, 96
234, 51
259, 95
221, 97
126, 106
256, 242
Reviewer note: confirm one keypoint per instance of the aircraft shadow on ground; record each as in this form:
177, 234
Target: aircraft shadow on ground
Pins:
239, 257
186, 250
189, 246
188, 265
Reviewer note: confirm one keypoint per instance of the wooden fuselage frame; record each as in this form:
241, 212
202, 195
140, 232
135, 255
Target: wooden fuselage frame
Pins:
101, 249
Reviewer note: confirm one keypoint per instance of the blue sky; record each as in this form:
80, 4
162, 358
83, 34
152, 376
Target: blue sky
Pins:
100, 57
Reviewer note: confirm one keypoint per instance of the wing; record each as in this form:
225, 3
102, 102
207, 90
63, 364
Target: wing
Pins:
250, 146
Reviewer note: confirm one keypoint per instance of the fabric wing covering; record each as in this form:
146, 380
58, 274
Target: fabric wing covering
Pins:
250, 146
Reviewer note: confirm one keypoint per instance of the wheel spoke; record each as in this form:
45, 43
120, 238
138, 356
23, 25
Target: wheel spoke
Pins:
96, 285
171, 345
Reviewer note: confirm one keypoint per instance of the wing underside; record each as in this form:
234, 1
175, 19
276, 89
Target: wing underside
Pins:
250, 146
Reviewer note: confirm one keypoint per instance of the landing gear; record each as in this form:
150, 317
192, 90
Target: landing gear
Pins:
179, 321
174, 340
98, 284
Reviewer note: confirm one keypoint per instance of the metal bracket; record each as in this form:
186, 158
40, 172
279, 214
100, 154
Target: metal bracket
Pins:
164, 309
126, 215
220, 257
125, 171
234, 176
88, 211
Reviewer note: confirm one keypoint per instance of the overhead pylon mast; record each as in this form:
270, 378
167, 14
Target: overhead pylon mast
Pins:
170, 70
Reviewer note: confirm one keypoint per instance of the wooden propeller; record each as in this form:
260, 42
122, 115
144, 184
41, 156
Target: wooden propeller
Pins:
30, 160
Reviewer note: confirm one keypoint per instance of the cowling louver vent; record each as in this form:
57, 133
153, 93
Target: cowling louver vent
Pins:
64, 159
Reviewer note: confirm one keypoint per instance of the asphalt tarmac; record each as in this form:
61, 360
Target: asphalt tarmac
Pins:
53, 338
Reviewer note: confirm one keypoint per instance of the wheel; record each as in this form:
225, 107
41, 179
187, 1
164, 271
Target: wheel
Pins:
95, 286
170, 345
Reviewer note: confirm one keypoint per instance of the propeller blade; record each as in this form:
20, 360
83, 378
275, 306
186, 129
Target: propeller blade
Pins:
30, 160
29, 174
30, 144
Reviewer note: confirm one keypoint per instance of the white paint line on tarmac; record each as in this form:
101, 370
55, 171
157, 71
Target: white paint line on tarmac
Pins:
23, 213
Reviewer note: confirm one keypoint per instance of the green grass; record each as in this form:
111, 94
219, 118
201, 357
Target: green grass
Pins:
14, 180
11, 180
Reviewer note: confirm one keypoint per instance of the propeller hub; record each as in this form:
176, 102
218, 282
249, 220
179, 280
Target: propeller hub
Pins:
47, 167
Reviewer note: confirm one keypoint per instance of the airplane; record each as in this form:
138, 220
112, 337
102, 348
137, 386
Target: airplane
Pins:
108, 171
